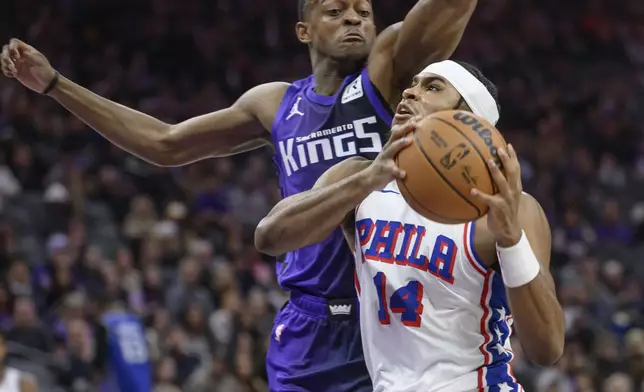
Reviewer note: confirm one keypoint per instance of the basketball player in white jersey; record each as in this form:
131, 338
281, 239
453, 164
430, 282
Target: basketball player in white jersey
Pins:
438, 302
13, 380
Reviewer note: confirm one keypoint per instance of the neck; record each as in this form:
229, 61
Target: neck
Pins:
330, 73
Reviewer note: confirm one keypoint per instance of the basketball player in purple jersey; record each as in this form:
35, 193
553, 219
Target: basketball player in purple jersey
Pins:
341, 110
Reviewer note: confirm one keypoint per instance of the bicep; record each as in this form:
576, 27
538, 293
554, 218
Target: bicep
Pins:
430, 32
238, 128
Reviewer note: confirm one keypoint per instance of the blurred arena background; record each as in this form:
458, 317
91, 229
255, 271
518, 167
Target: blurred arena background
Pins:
78, 215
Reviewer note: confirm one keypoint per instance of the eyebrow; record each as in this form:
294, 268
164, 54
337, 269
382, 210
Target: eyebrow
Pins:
428, 79
321, 2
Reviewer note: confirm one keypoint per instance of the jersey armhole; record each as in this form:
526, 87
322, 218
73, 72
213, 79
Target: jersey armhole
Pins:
290, 91
282, 108
377, 101
470, 253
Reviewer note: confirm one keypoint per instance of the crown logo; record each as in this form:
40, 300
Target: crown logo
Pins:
340, 309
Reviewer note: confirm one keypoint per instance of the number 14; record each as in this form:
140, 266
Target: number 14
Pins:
406, 300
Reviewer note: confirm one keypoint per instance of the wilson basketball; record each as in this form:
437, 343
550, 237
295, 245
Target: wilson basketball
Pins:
447, 158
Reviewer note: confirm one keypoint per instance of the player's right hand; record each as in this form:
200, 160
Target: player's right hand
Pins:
383, 169
24, 63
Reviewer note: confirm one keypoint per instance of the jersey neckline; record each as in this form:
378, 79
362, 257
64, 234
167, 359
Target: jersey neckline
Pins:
326, 100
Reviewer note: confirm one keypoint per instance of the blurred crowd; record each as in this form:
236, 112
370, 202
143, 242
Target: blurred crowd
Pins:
77, 214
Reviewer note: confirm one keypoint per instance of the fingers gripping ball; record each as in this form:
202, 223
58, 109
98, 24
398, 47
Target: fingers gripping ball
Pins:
447, 158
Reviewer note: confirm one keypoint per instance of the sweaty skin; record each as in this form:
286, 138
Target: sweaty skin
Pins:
431, 31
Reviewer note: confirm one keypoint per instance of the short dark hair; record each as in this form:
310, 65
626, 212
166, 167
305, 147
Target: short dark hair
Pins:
302, 9
491, 88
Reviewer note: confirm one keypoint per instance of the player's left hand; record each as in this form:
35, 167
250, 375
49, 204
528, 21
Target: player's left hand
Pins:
503, 216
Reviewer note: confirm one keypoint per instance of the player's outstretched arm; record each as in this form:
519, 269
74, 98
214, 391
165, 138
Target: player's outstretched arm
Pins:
309, 217
523, 245
430, 32
228, 131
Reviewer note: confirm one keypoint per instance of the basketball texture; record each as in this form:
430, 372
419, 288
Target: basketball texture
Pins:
447, 158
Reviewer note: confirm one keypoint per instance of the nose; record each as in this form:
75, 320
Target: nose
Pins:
351, 18
410, 94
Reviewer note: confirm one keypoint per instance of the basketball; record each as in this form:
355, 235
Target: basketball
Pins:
447, 158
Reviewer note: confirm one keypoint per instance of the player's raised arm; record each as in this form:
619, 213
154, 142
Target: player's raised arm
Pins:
430, 32
307, 218
238, 128
523, 245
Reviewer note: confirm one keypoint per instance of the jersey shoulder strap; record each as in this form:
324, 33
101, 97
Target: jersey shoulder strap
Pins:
377, 101
290, 101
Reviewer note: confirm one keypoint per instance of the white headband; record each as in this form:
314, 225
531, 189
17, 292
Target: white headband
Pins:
471, 89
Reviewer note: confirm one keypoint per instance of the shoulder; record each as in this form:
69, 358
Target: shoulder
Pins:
263, 101
530, 206
533, 218
263, 93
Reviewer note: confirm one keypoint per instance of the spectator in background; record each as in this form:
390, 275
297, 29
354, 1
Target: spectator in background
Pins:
188, 289
121, 349
27, 330
13, 380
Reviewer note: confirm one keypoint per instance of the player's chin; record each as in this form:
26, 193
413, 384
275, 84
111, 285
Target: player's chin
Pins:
352, 50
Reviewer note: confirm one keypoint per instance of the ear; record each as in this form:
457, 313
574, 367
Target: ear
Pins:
302, 32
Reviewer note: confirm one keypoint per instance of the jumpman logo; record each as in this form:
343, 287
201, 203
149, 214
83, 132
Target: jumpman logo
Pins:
295, 109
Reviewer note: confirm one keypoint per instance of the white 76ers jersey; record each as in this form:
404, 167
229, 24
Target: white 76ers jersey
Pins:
433, 316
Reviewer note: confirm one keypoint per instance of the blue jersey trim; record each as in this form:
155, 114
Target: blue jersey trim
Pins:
375, 98
476, 257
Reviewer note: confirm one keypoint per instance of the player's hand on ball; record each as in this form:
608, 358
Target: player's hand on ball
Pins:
383, 170
24, 63
503, 216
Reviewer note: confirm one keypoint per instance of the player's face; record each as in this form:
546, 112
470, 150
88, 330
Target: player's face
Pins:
428, 94
341, 29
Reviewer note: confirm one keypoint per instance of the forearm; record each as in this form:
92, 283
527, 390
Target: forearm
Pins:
431, 32
443, 36
533, 302
309, 217
133, 131
539, 320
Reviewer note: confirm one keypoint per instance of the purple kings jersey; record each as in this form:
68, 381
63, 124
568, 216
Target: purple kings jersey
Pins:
312, 133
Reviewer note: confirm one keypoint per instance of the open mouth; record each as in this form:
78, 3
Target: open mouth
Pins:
404, 110
403, 113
